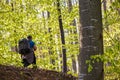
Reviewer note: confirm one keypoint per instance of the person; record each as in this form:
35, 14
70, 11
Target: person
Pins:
30, 58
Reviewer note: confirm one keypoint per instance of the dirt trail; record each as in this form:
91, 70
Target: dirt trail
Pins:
15, 73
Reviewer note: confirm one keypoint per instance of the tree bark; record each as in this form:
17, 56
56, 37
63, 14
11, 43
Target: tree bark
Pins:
91, 39
62, 38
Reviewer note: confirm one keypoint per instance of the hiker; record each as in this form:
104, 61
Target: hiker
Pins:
28, 56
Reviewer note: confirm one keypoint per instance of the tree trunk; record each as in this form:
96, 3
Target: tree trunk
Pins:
74, 64
7, 1
91, 39
74, 67
111, 1
69, 5
52, 61
62, 38
105, 5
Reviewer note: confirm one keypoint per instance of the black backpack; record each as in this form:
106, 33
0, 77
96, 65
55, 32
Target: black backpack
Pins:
24, 46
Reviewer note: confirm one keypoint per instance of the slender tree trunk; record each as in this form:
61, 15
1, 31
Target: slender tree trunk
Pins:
111, 1
91, 39
74, 63
105, 5
69, 5
74, 66
118, 9
7, 1
62, 37
52, 61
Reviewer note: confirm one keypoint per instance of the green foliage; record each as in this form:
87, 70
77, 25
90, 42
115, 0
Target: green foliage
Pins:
39, 18
20, 18
111, 56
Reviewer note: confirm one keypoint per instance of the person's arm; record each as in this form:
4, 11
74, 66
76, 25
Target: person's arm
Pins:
35, 47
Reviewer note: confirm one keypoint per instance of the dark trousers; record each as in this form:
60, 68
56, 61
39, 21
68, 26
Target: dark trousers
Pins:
26, 63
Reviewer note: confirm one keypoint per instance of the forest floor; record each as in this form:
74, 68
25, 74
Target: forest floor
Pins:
18, 73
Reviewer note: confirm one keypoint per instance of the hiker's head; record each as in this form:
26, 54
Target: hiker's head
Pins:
29, 37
